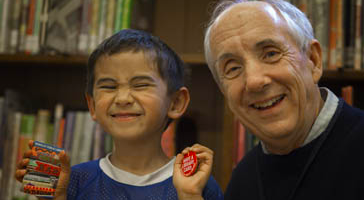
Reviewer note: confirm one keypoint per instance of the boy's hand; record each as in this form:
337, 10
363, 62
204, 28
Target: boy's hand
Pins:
61, 190
191, 187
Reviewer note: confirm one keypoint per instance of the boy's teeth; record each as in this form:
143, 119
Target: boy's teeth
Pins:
267, 103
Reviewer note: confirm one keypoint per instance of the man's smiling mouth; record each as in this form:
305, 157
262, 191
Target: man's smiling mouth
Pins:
268, 104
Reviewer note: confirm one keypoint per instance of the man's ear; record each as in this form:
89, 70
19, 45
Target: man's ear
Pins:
315, 56
91, 105
179, 103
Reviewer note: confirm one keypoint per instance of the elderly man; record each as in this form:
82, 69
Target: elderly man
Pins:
267, 63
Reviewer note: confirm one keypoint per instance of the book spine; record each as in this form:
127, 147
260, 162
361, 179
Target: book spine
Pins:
77, 137
118, 15
340, 35
167, 141
10, 150
68, 135
87, 135
94, 24
4, 26
58, 114
350, 33
61, 133
98, 144
332, 35
126, 14
41, 126
85, 26
30, 26
110, 18
36, 32
102, 21
15, 26
43, 23
321, 27
23, 25
357, 51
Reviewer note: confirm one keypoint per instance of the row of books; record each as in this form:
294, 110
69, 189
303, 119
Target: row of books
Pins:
73, 130
60, 26
338, 26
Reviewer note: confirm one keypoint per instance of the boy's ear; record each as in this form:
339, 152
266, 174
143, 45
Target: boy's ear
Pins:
91, 105
179, 104
315, 56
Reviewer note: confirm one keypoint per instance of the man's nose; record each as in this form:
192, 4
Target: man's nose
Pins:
256, 78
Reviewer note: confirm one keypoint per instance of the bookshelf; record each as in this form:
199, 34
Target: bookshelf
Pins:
50, 79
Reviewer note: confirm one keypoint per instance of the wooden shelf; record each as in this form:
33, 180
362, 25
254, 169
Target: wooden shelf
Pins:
343, 75
195, 59
43, 59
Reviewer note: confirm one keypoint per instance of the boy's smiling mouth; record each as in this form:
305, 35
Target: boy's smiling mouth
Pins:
125, 115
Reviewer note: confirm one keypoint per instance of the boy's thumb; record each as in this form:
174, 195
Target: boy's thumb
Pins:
64, 177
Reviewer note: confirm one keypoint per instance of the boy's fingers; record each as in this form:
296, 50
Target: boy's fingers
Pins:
65, 162
30, 144
19, 174
27, 154
64, 177
197, 148
23, 163
186, 150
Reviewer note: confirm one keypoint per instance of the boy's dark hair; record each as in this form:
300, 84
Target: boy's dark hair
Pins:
170, 66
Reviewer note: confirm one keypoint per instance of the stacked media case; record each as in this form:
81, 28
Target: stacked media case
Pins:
43, 170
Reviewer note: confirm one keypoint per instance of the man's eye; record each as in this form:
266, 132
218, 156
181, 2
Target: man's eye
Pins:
272, 56
233, 71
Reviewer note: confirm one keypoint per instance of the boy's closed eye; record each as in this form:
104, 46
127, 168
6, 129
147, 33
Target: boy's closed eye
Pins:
110, 87
142, 85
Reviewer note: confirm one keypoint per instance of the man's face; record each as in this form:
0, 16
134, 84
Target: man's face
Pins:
269, 84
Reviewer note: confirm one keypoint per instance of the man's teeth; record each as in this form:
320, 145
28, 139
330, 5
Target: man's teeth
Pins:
267, 103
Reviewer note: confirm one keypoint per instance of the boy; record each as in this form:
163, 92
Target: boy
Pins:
135, 88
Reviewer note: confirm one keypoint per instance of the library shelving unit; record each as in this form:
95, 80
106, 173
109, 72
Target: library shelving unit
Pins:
49, 79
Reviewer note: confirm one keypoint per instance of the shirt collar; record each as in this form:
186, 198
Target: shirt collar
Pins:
322, 120
125, 177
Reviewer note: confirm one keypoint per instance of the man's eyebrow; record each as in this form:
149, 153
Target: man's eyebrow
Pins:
225, 56
267, 42
105, 80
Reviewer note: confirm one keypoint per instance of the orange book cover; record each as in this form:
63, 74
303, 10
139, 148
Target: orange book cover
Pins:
239, 143
347, 94
61, 133
167, 141
340, 35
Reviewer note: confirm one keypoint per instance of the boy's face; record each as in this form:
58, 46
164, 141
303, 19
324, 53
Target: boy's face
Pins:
130, 98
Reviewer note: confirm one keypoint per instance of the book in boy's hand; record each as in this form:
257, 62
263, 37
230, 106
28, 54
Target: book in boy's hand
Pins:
43, 170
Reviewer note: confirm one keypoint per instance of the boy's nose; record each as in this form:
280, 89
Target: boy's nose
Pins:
124, 97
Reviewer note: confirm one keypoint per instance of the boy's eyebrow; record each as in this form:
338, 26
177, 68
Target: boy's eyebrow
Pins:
103, 80
136, 78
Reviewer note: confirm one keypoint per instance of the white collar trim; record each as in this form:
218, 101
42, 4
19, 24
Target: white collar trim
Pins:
125, 177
